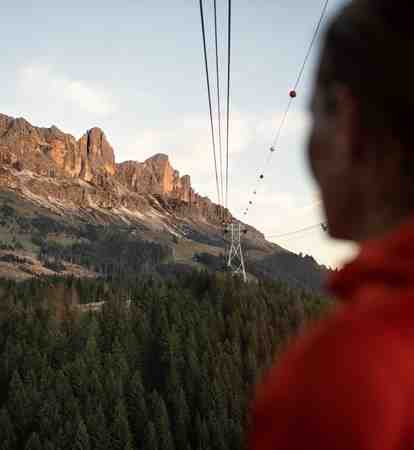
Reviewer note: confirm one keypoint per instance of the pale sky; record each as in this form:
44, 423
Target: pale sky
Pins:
135, 69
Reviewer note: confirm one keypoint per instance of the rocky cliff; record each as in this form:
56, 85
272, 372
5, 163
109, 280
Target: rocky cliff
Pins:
66, 207
157, 176
50, 152
85, 173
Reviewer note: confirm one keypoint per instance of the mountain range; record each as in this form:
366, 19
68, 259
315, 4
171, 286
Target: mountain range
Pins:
67, 208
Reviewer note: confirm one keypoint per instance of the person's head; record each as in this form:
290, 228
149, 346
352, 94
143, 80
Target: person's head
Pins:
361, 148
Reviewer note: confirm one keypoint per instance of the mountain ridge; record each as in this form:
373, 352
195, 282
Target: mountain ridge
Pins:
62, 193
53, 153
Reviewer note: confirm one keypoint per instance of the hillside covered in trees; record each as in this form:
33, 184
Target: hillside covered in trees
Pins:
163, 365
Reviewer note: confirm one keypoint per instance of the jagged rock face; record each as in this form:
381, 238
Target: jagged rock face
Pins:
163, 176
51, 153
4, 123
97, 154
61, 149
155, 176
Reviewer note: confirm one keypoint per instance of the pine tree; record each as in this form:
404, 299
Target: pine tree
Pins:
81, 437
65, 435
136, 406
92, 354
121, 437
78, 375
33, 443
62, 387
49, 417
18, 405
114, 390
217, 434
118, 360
160, 347
70, 410
150, 440
48, 445
236, 436
7, 435
180, 418
162, 422
10, 360
97, 429
205, 439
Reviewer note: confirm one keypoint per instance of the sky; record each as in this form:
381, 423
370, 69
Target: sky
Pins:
136, 70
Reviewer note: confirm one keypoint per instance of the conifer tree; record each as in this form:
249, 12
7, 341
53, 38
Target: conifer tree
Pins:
236, 436
114, 389
161, 422
48, 445
136, 407
97, 429
81, 437
121, 438
217, 436
180, 418
118, 361
33, 443
7, 435
18, 405
150, 440
50, 418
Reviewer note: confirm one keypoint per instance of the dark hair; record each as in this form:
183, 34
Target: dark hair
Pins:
368, 48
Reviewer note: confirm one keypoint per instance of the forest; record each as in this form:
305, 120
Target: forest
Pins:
162, 365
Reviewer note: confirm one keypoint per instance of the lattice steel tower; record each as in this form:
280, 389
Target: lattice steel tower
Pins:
235, 261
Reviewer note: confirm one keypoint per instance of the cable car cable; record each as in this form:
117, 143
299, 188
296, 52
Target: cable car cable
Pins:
295, 238
291, 233
209, 98
315, 35
293, 93
218, 102
228, 103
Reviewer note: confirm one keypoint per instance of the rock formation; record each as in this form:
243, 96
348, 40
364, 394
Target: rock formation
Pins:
50, 152
85, 172
155, 176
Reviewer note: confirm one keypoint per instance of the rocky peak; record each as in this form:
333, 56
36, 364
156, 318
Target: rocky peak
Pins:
52, 133
5, 122
21, 128
52, 153
163, 175
161, 158
99, 153
156, 176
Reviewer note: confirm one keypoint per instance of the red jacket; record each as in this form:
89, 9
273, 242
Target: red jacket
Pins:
348, 382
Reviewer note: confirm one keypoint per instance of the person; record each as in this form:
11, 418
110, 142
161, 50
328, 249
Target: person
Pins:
347, 382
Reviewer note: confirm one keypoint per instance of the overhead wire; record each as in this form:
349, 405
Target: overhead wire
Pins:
218, 102
228, 101
209, 100
292, 96
312, 43
292, 233
296, 238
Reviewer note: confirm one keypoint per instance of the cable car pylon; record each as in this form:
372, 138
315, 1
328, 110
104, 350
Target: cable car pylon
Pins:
235, 259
